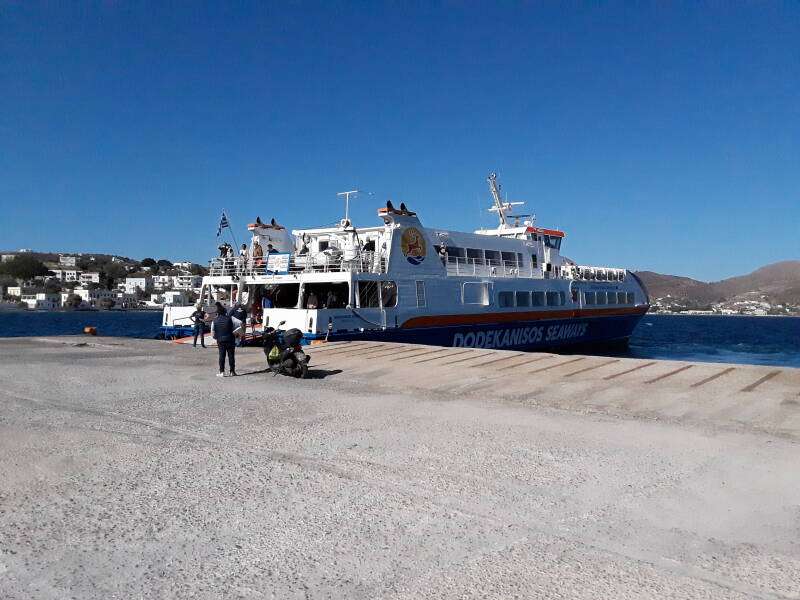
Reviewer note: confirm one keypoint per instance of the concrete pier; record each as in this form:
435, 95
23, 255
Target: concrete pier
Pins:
127, 470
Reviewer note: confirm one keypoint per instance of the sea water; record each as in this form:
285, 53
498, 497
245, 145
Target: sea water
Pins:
750, 340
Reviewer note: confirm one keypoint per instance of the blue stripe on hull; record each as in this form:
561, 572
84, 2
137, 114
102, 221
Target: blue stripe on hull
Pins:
520, 335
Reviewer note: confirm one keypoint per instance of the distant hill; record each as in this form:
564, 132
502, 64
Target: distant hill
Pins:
780, 282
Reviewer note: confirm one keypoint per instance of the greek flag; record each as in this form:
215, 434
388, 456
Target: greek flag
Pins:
223, 222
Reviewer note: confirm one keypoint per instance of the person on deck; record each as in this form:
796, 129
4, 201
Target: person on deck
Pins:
258, 254
199, 320
243, 259
222, 329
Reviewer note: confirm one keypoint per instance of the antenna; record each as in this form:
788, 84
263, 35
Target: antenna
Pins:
500, 207
347, 201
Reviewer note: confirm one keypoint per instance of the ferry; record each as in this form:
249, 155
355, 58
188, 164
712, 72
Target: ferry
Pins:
507, 287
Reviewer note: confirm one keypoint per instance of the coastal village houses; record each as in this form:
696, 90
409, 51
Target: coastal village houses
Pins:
143, 288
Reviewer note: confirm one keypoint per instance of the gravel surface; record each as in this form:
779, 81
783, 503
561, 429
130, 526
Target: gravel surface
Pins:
127, 470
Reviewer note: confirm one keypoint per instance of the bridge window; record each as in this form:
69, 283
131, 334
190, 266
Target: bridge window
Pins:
601, 297
523, 298
505, 299
631, 298
589, 298
492, 255
552, 241
612, 298
537, 298
509, 259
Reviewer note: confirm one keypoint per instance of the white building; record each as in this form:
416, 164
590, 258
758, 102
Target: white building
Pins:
143, 284
67, 261
42, 301
7, 257
162, 282
92, 297
89, 277
14, 290
188, 282
66, 275
187, 265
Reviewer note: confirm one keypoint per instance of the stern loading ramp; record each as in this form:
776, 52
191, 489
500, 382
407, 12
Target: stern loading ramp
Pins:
766, 398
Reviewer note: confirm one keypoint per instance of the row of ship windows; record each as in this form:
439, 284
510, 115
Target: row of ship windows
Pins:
512, 299
525, 299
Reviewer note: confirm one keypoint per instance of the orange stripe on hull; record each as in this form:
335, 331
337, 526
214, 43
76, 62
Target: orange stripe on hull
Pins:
510, 317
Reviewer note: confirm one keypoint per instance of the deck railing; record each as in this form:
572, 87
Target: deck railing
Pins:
372, 262
281, 264
479, 267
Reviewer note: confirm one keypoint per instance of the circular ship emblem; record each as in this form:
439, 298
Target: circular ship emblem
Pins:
412, 243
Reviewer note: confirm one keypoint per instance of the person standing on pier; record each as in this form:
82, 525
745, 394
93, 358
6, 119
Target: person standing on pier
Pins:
199, 320
222, 329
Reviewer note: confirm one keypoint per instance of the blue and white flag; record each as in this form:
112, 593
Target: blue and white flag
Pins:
223, 222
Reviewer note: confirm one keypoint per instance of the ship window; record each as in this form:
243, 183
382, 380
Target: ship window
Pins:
534, 263
612, 298
631, 299
284, 295
589, 298
519, 259
552, 241
601, 297
420, 293
454, 251
368, 294
574, 295
476, 254
388, 293
620, 297
523, 298
538, 298
323, 245
328, 295
554, 299
505, 299
492, 255
475, 293
509, 259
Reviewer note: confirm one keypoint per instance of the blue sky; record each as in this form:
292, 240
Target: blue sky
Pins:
661, 136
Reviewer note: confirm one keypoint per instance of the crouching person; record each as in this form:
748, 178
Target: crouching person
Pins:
222, 330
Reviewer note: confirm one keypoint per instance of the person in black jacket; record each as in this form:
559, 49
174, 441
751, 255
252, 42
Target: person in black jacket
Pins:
222, 330
199, 320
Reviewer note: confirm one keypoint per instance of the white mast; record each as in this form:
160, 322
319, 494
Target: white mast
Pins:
347, 202
500, 207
